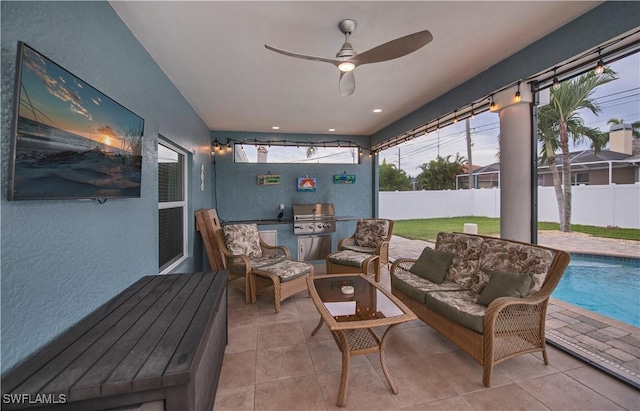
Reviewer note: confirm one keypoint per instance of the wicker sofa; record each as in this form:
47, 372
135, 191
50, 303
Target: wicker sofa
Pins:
479, 266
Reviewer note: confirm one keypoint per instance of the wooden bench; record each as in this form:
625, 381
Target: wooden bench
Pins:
161, 341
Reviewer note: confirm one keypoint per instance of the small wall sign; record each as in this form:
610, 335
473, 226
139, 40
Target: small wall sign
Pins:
344, 179
268, 179
307, 184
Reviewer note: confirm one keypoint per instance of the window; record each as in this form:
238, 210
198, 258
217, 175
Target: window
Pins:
295, 153
581, 179
172, 206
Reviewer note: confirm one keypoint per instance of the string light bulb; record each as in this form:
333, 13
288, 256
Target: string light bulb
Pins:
518, 97
473, 114
556, 83
438, 125
600, 66
455, 116
492, 106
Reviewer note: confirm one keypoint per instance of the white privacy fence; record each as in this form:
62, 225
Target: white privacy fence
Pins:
599, 205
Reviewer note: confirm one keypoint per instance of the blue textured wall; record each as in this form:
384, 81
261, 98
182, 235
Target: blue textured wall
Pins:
238, 197
62, 259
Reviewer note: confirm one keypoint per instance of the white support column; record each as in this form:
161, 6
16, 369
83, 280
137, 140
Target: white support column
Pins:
515, 163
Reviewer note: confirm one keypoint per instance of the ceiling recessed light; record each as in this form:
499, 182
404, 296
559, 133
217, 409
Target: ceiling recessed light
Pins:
332, 129
377, 110
275, 128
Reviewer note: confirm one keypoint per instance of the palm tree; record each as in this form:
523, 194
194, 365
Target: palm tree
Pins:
559, 120
440, 174
635, 126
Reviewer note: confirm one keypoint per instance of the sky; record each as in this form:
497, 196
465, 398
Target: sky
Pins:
53, 96
617, 99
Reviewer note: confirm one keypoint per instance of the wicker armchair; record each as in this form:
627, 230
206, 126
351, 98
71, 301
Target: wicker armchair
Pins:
258, 268
246, 253
367, 247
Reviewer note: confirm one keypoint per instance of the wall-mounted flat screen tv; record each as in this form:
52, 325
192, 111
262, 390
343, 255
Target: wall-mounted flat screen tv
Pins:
70, 141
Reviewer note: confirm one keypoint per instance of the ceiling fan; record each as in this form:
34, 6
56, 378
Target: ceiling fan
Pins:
347, 59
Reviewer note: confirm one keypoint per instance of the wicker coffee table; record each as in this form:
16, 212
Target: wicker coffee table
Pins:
352, 317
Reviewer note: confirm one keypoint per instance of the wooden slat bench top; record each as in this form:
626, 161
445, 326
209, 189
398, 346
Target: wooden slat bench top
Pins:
138, 346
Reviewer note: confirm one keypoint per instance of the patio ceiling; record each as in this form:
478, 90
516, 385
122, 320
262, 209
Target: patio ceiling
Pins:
214, 53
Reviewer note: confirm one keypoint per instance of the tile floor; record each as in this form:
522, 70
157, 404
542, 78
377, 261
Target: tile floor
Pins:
273, 363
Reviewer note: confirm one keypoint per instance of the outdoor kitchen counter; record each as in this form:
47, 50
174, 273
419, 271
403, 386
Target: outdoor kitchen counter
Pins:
284, 221
287, 221
258, 222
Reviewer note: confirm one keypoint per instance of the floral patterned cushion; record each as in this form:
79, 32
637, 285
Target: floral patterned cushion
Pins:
458, 306
243, 239
466, 256
348, 257
264, 260
357, 248
288, 270
500, 255
371, 232
416, 286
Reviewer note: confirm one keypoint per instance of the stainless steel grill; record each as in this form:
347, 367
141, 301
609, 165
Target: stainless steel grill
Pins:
314, 218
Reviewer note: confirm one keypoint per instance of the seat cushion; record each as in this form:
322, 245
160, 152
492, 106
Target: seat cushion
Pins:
357, 248
432, 265
242, 239
287, 270
370, 232
466, 256
458, 306
267, 259
417, 287
501, 255
348, 257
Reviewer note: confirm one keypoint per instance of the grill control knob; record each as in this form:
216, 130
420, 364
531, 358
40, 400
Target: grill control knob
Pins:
310, 225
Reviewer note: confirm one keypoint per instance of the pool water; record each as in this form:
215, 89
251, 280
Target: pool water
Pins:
605, 285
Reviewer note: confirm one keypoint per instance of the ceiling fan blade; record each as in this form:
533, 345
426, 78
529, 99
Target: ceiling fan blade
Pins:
394, 48
347, 83
302, 56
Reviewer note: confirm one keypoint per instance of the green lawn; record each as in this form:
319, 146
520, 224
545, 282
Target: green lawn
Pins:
427, 229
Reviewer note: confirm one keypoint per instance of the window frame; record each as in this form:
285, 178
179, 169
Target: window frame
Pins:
176, 204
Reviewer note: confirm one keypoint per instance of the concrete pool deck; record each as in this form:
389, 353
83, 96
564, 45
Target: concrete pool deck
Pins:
601, 341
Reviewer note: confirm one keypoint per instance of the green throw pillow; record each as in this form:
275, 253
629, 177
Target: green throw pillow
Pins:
432, 265
505, 284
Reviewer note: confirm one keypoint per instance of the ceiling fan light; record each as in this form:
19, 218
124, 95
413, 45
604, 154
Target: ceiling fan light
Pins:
346, 66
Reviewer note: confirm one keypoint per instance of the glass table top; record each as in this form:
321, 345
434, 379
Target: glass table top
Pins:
367, 302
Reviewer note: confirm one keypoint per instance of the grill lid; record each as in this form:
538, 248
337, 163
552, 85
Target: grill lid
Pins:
313, 211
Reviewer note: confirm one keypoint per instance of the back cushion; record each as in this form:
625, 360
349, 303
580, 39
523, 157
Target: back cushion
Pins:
243, 239
501, 255
466, 256
371, 232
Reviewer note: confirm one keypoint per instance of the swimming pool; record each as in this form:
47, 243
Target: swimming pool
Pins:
606, 285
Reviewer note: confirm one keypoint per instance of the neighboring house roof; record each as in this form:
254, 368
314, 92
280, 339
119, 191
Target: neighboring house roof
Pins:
584, 159
590, 160
465, 168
